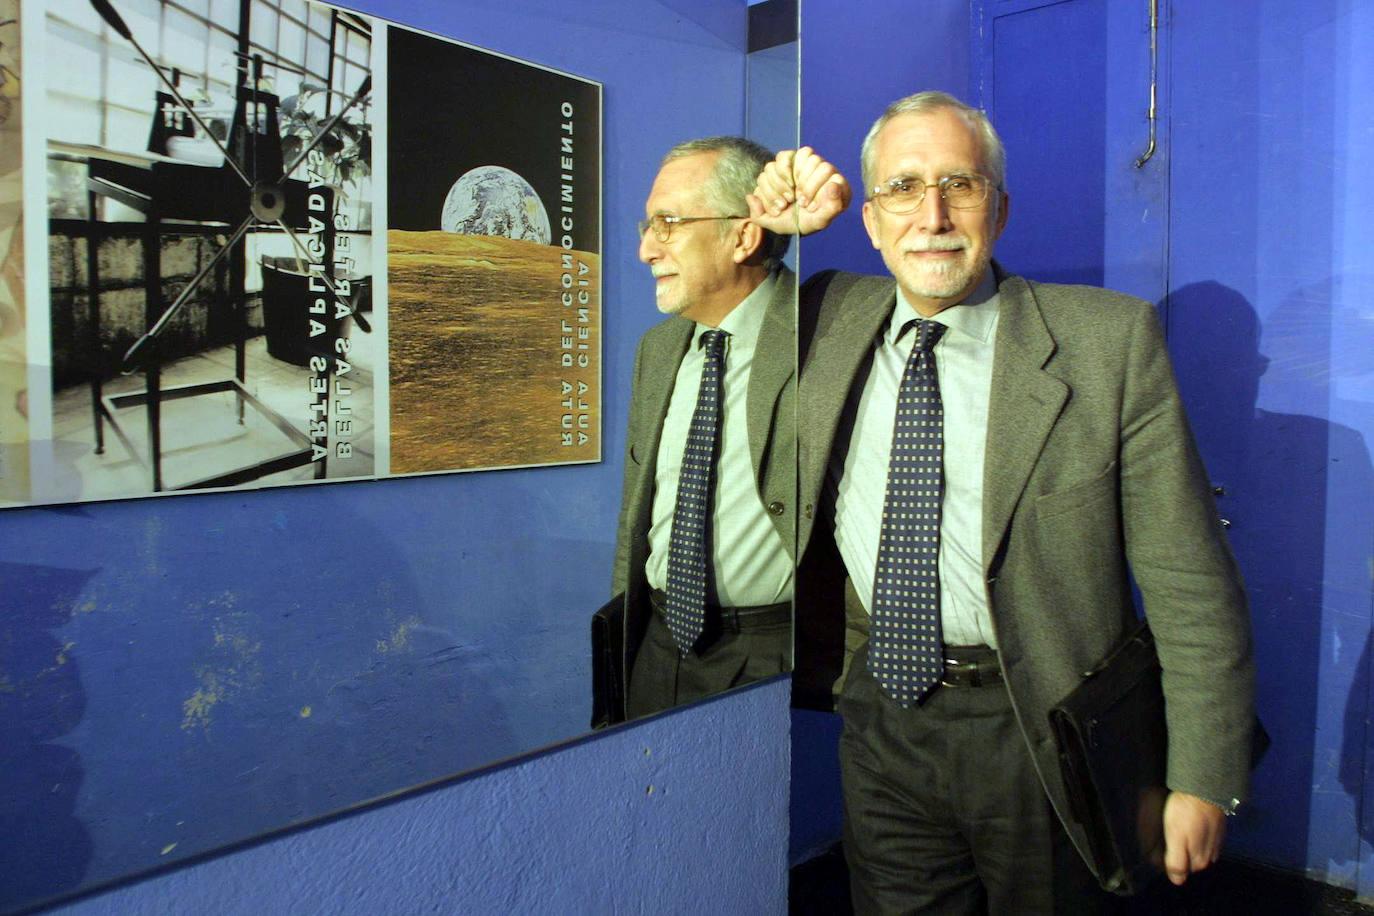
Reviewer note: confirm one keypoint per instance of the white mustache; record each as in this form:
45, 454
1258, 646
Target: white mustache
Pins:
666, 272
938, 243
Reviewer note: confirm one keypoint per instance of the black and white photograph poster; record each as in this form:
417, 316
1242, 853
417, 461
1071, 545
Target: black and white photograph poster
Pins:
228, 298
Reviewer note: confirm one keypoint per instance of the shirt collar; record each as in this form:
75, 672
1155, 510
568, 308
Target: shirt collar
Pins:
745, 319
976, 316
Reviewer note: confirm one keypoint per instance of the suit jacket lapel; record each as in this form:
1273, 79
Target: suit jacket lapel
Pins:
837, 351
1026, 400
775, 359
661, 362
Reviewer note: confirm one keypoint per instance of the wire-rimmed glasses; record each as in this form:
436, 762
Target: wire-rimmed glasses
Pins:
662, 224
903, 194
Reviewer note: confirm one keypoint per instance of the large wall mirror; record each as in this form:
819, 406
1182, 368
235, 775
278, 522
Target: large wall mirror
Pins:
183, 673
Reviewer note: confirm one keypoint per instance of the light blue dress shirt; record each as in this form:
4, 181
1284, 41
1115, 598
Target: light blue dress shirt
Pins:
749, 563
857, 480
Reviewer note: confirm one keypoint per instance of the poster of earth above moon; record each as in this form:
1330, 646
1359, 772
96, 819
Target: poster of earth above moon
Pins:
493, 256
242, 290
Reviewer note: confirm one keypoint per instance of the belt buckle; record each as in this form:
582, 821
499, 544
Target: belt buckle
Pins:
971, 672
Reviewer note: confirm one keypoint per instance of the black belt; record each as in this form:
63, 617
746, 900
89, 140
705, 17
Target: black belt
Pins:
734, 619
971, 666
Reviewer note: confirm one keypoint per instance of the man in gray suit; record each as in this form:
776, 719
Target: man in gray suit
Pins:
714, 270
1067, 468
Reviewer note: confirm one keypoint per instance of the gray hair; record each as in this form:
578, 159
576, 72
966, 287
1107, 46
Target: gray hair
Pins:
994, 154
736, 172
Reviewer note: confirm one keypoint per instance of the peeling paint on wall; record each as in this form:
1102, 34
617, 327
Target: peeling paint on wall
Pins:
236, 666
399, 639
198, 705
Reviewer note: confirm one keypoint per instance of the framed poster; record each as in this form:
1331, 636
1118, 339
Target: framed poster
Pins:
277, 255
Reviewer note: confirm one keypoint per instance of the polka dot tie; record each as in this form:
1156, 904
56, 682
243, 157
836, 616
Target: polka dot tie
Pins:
905, 653
687, 549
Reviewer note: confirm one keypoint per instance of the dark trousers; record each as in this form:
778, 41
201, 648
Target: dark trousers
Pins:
943, 810
662, 678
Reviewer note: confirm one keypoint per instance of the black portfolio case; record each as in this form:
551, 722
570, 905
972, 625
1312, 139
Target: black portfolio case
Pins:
1113, 746
608, 663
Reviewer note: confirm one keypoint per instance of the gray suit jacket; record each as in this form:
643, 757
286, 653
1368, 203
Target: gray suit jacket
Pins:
771, 405
1091, 477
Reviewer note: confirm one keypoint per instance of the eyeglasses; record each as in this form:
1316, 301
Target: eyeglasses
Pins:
663, 225
904, 193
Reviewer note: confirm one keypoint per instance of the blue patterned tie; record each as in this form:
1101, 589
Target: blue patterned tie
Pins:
905, 653
687, 566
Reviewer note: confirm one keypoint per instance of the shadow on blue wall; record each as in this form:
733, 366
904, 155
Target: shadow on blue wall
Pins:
46, 848
1276, 469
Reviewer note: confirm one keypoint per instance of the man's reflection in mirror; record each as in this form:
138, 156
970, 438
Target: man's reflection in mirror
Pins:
707, 518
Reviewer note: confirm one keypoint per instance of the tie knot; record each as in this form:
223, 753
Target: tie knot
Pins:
928, 334
713, 341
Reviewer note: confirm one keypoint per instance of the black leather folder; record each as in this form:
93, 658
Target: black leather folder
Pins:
1113, 751
1113, 746
608, 663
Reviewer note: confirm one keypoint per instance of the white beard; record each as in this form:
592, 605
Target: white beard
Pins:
671, 301
941, 279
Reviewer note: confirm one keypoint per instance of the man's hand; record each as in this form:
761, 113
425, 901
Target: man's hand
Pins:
798, 193
1193, 831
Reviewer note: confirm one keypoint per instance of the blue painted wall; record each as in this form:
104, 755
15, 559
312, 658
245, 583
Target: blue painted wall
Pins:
186, 672
1248, 227
685, 807
1271, 278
